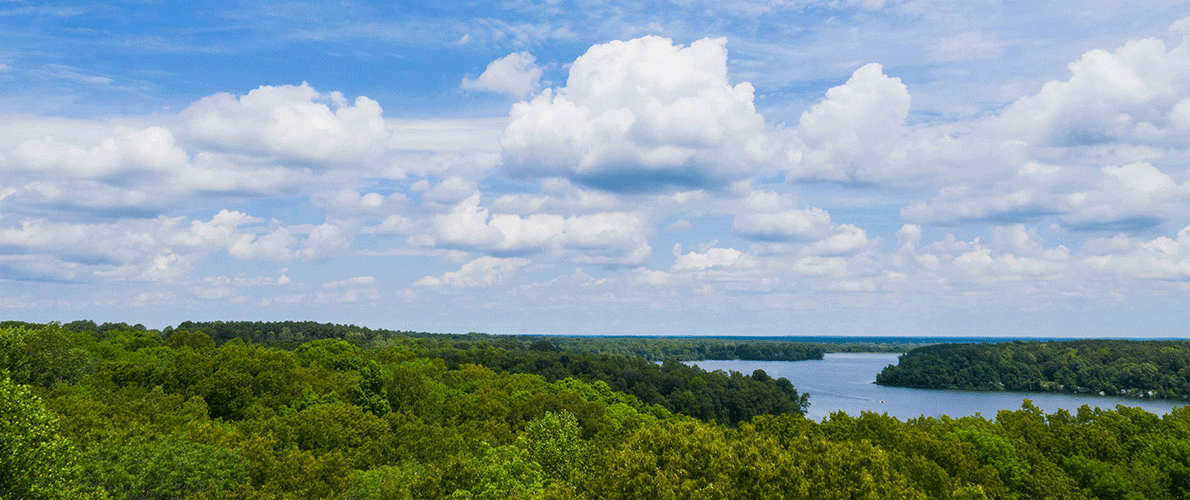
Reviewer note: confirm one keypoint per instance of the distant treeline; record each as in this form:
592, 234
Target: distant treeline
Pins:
289, 333
1135, 368
293, 333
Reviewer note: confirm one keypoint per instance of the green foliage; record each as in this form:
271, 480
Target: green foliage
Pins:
554, 442
1098, 477
190, 339
35, 462
370, 393
1149, 368
162, 470
505, 472
384, 483
43, 355
327, 353
233, 413
1172, 457
723, 397
998, 452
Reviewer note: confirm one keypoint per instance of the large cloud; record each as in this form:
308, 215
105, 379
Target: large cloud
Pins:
126, 151
291, 121
638, 115
856, 133
1139, 93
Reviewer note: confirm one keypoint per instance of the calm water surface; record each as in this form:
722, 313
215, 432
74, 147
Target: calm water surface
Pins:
844, 381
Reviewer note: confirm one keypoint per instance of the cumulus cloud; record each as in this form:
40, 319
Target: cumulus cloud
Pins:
1131, 197
327, 239
1127, 198
515, 74
290, 121
641, 114
1138, 93
56, 251
1016, 254
855, 134
1162, 258
479, 273
713, 258
599, 238
125, 151
224, 231
774, 222
789, 225
450, 191
847, 239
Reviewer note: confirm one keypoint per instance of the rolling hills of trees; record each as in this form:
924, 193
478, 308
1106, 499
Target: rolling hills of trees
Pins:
131, 413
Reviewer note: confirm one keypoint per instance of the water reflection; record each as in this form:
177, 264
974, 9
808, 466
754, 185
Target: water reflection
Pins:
843, 381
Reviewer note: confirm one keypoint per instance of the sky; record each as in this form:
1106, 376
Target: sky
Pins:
682, 167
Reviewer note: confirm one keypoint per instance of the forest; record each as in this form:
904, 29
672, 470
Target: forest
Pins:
1149, 368
124, 412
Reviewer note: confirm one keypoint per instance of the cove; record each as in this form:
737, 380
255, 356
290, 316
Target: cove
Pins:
844, 381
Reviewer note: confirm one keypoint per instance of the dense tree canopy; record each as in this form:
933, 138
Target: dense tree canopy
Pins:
180, 417
1151, 368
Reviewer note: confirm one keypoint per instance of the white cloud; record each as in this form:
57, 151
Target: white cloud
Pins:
646, 276
224, 231
327, 239
713, 258
639, 115
125, 250
846, 240
599, 238
351, 202
351, 282
482, 272
272, 246
1133, 94
679, 225
1017, 255
1162, 258
450, 191
856, 133
515, 74
393, 224
125, 151
1131, 197
291, 121
790, 225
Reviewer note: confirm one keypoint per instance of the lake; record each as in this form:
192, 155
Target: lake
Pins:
844, 381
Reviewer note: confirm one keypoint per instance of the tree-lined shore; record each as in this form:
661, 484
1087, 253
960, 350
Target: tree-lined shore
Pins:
1134, 368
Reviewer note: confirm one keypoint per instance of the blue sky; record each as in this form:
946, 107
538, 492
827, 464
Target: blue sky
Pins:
801, 167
